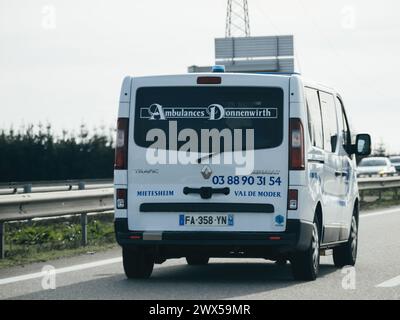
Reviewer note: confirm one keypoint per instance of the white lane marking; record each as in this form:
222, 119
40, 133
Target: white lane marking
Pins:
379, 213
390, 283
61, 270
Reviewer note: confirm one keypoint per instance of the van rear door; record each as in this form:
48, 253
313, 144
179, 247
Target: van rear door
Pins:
178, 183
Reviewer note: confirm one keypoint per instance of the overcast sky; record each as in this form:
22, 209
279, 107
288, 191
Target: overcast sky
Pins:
63, 61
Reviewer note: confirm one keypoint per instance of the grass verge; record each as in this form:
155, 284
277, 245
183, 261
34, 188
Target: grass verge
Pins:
379, 204
373, 200
33, 256
49, 239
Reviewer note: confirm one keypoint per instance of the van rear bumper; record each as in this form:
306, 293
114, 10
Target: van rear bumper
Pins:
296, 237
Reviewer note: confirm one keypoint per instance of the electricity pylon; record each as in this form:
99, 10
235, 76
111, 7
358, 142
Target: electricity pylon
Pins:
237, 19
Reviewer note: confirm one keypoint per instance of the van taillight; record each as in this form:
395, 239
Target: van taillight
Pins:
296, 145
121, 147
121, 199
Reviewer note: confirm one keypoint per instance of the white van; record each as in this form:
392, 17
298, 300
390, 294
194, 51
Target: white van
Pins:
182, 190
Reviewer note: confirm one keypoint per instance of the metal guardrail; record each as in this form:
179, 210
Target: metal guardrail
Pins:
379, 184
376, 183
46, 200
39, 205
14, 207
50, 186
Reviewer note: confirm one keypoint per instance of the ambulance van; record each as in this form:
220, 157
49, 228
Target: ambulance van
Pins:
217, 165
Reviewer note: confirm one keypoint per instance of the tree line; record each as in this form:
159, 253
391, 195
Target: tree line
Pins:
36, 153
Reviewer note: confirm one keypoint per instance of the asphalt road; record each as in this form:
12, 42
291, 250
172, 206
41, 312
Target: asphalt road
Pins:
100, 276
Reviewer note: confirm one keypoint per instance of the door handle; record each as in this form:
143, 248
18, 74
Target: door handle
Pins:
315, 160
340, 174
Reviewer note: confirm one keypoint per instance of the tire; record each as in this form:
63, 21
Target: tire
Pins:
346, 255
305, 264
197, 260
137, 263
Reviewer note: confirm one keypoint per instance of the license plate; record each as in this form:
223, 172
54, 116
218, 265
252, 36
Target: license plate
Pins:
203, 220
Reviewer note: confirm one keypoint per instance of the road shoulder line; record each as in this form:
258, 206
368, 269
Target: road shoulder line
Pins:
77, 267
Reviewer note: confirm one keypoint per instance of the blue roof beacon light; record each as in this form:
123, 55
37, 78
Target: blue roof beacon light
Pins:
218, 69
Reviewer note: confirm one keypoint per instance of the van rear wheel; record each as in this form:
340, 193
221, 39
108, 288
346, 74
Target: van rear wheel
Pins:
305, 264
138, 264
346, 255
197, 260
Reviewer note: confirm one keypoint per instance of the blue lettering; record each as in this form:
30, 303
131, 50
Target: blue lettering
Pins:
156, 193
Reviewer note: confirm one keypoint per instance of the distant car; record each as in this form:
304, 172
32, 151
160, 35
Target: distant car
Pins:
375, 166
395, 160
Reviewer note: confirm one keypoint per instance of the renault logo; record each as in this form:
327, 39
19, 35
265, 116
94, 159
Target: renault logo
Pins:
206, 172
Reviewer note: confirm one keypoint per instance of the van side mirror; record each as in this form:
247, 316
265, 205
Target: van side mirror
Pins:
363, 145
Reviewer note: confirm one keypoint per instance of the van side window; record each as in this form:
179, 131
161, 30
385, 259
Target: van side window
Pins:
329, 121
314, 118
346, 134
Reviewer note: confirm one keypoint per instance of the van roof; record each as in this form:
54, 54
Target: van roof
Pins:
222, 74
306, 82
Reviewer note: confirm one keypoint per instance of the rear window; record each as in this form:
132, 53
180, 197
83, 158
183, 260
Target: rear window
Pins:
372, 163
395, 160
220, 108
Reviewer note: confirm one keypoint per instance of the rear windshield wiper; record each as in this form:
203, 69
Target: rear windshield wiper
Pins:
208, 156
